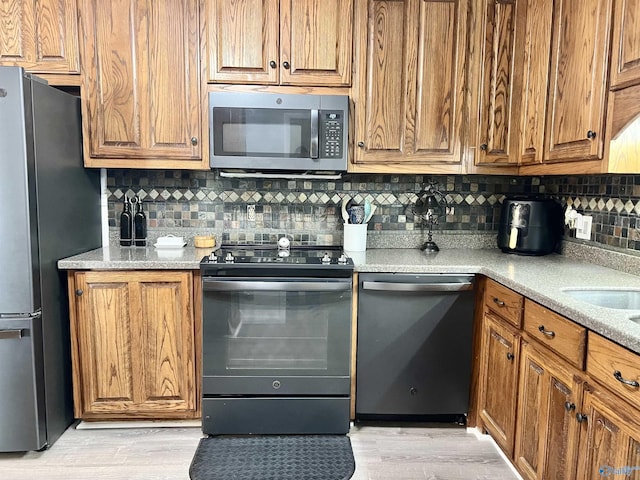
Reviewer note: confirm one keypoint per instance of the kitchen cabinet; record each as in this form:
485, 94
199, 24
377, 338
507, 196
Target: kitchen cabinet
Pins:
133, 348
499, 357
141, 84
42, 37
498, 90
286, 42
575, 116
409, 85
547, 433
625, 51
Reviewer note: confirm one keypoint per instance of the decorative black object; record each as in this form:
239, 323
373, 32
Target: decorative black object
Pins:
430, 204
273, 457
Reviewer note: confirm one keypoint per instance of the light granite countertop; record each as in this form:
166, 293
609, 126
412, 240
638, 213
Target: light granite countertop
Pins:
540, 278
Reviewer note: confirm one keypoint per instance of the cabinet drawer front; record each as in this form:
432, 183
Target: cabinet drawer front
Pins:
614, 367
556, 332
503, 301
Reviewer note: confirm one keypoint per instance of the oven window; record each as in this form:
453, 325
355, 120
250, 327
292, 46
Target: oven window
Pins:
275, 332
261, 132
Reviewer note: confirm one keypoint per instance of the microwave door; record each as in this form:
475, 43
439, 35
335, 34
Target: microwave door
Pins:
313, 145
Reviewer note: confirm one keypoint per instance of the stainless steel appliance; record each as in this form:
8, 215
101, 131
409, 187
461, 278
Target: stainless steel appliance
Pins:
49, 209
287, 132
530, 226
414, 346
276, 341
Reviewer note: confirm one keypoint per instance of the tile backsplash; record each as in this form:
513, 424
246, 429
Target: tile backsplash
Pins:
309, 210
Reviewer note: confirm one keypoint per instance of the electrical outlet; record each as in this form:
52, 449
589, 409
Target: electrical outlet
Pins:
583, 227
251, 213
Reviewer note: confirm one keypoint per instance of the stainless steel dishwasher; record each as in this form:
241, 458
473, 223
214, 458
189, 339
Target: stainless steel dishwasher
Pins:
414, 346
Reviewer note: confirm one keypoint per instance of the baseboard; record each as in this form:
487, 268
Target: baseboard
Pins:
139, 424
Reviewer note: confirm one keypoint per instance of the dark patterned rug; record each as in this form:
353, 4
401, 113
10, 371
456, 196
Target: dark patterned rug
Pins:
273, 457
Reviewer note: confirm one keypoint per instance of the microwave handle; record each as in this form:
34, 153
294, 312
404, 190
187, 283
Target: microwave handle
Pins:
315, 132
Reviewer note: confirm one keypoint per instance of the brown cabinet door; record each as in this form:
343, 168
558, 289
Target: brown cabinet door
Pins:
243, 41
39, 35
499, 378
497, 132
609, 438
316, 38
410, 88
625, 51
135, 345
578, 80
550, 393
141, 84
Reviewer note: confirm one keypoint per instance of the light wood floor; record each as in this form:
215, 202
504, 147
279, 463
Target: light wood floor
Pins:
381, 453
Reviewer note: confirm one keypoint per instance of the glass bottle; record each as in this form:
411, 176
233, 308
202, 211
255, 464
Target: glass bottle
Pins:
140, 225
126, 222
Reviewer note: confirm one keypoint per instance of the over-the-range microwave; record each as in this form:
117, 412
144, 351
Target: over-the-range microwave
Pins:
278, 132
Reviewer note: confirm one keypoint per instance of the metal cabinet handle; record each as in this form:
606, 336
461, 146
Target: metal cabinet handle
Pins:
581, 417
591, 134
79, 292
273, 64
510, 356
361, 144
484, 147
548, 333
194, 141
10, 334
286, 65
568, 406
618, 376
498, 302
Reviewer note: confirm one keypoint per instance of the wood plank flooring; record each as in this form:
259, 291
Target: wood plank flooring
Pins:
381, 453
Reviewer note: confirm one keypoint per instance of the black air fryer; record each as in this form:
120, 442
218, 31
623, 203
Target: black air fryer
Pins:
530, 226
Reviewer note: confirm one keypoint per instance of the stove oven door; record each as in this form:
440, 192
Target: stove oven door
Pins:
276, 337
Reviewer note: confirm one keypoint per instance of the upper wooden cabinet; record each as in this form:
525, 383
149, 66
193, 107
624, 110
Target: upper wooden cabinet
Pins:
410, 85
625, 51
497, 126
287, 42
141, 84
39, 35
578, 80
133, 344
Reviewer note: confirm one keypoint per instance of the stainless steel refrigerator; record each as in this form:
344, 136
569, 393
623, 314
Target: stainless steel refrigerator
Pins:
49, 209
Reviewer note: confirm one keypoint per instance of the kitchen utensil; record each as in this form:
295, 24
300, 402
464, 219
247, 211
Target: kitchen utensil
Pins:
356, 214
345, 215
371, 212
367, 209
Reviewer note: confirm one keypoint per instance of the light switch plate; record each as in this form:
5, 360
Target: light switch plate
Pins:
583, 229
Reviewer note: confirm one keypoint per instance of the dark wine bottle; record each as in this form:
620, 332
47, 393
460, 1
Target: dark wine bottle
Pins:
140, 226
126, 224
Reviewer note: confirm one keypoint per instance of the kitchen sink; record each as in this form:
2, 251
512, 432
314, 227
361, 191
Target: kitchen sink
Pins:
618, 298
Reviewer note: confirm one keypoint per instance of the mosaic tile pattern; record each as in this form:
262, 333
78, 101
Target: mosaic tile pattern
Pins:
311, 208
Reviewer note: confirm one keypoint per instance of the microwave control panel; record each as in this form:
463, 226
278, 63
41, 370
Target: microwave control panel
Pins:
331, 133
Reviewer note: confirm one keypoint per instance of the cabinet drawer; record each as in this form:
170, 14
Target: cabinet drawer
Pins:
613, 365
556, 332
503, 301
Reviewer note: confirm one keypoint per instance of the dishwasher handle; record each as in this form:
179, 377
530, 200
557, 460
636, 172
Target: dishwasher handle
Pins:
417, 287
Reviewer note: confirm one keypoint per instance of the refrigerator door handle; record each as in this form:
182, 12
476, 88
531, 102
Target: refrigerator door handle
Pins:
17, 316
11, 334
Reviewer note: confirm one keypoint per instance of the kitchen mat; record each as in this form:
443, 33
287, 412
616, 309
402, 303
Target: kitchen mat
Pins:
273, 457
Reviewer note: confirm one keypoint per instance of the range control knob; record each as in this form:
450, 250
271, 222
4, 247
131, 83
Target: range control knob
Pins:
213, 258
343, 259
326, 258
229, 258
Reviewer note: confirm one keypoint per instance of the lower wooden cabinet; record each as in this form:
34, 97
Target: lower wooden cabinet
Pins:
499, 378
547, 431
133, 350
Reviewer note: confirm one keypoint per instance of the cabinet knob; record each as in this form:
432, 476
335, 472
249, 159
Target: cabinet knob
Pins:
581, 417
79, 292
413, 391
286, 65
484, 147
273, 64
194, 141
568, 406
591, 134
361, 144
510, 356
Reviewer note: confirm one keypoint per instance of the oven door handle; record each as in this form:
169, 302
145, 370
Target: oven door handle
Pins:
270, 286
418, 287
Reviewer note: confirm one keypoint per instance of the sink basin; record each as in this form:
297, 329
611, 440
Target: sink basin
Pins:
619, 298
